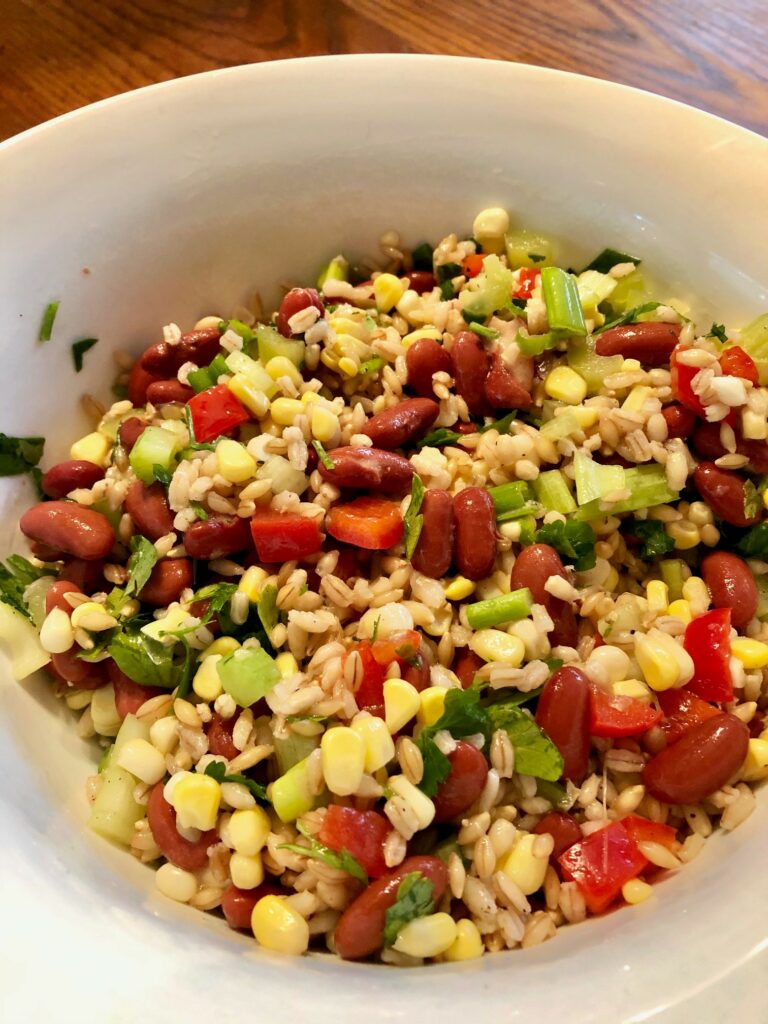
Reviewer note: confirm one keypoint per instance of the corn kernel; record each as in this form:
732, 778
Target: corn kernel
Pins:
285, 410
281, 366
585, 416
175, 883
277, 926
207, 684
245, 391
657, 593
387, 291
343, 760
252, 582
426, 936
234, 462
523, 866
348, 366
681, 609
56, 633
401, 702
611, 581
409, 303
696, 593
196, 799
565, 385
765, 498
248, 830
685, 535
420, 804
631, 366
422, 332
143, 760
286, 664
756, 763
636, 398
754, 427
432, 705
222, 645
632, 688
323, 423
636, 891
459, 589
246, 871
93, 447
489, 228
664, 663
378, 743
751, 653
468, 944
496, 645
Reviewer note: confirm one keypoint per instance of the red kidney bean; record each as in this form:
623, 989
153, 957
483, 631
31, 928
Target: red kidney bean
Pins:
54, 597
470, 368
418, 674
465, 428
130, 431
220, 740
650, 343
699, 763
475, 517
166, 582
164, 360
185, 854
68, 527
423, 359
757, 725
237, 904
469, 770
402, 423
434, 550
680, 421
149, 509
533, 567
466, 667
89, 576
502, 388
67, 476
78, 673
563, 829
293, 302
217, 537
369, 469
160, 392
723, 490
421, 281
360, 929
44, 552
707, 445
731, 585
129, 696
138, 382
563, 714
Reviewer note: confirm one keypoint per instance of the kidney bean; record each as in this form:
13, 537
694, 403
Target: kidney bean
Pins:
44, 552
164, 360
471, 363
138, 382
360, 929
466, 666
680, 421
757, 725
67, 476
533, 567
217, 537
184, 853
723, 490
699, 763
731, 585
421, 281
563, 829
423, 359
78, 673
465, 428
160, 392
220, 740
89, 576
418, 674
563, 714
475, 517
149, 509
502, 388
469, 770
650, 343
130, 431
293, 302
129, 696
68, 527
707, 445
166, 582
54, 597
402, 423
434, 550
369, 469
237, 904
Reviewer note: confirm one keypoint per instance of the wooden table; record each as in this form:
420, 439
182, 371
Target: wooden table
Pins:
56, 55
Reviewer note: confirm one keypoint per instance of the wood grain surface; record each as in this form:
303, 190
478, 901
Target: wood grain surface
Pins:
56, 55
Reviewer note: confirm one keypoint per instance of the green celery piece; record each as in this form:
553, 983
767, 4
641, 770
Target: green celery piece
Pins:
535, 344
271, 343
527, 530
496, 610
154, 447
247, 675
594, 481
292, 749
648, 486
510, 497
630, 291
672, 573
336, 270
593, 368
561, 297
553, 492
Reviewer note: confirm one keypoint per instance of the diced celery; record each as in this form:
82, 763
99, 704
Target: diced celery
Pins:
561, 426
672, 574
155, 447
648, 486
594, 288
527, 530
239, 362
762, 603
535, 344
21, 641
292, 749
495, 611
106, 720
291, 795
115, 811
271, 343
629, 291
247, 675
490, 291
336, 270
561, 297
594, 481
510, 497
114, 515
553, 492
754, 341
526, 249
593, 368
283, 475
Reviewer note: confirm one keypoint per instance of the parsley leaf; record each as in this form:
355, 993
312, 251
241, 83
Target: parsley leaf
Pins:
571, 540
79, 348
267, 608
162, 475
218, 771
501, 425
438, 438
412, 521
143, 558
342, 859
754, 543
718, 331
462, 716
19, 454
145, 660
323, 455
218, 596
200, 512
46, 324
15, 576
535, 753
195, 446
656, 540
415, 898
628, 318
608, 258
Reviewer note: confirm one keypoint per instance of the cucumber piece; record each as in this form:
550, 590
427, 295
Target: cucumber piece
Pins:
271, 343
292, 749
115, 812
283, 475
290, 794
247, 675
238, 362
593, 368
155, 447
131, 729
21, 641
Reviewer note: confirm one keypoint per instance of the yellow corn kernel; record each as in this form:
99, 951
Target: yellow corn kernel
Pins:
565, 385
489, 228
248, 830
765, 498
685, 535
657, 593
636, 398
664, 663
277, 926
408, 305
175, 883
343, 760
252, 582
281, 366
323, 423
206, 683
427, 936
56, 633
246, 871
196, 799
468, 944
285, 410
636, 891
420, 804
401, 702
696, 593
378, 743
92, 448
349, 366
254, 400
523, 866
611, 581
459, 589
223, 645
142, 759
432, 705
585, 416
496, 645
286, 664
632, 688
751, 653
630, 365
681, 609
234, 462
387, 291
422, 332
756, 763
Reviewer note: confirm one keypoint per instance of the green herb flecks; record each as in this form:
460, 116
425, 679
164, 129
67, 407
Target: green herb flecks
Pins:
371, 365
199, 510
718, 331
412, 521
162, 475
438, 438
415, 898
79, 348
629, 317
656, 540
216, 770
266, 608
609, 258
341, 860
573, 540
323, 456
19, 454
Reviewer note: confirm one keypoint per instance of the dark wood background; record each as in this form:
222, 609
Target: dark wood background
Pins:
56, 55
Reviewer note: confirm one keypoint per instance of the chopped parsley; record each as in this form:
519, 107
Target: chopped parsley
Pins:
571, 540
412, 521
19, 454
438, 438
656, 540
629, 317
323, 456
79, 348
341, 860
218, 771
718, 331
415, 898
15, 576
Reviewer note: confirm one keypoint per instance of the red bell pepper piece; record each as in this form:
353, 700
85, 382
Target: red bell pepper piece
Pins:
472, 265
682, 375
644, 831
370, 693
526, 282
707, 640
284, 537
735, 362
402, 647
372, 523
682, 711
602, 863
619, 716
361, 833
216, 411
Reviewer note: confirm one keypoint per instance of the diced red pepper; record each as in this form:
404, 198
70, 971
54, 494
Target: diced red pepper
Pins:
707, 640
682, 375
682, 711
735, 362
216, 411
361, 833
284, 536
370, 694
619, 716
402, 647
644, 831
372, 523
472, 265
602, 863
526, 282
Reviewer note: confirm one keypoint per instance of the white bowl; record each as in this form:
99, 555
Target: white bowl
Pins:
176, 201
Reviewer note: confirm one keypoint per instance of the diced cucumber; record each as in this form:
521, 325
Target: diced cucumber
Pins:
131, 729
648, 486
594, 288
239, 362
283, 475
754, 341
630, 291
292, 749
525, 249
271, 343
247, 675
34, 598
291, 795
115, 812
22, 642
155, 447
592, 367
594, 481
